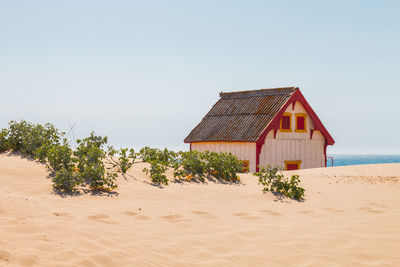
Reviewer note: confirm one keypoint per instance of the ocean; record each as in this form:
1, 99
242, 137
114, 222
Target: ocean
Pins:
344, 160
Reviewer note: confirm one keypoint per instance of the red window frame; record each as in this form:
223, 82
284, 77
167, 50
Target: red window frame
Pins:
286, 122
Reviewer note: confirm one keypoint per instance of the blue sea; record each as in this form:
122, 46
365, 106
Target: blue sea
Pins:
344, 160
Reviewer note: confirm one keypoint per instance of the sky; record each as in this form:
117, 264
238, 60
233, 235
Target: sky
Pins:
146, 72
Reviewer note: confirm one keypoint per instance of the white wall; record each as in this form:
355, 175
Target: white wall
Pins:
294, 145
243, 150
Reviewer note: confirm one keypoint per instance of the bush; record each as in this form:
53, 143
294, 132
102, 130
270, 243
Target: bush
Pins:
60, 156
69, 168
125, 160
30, 139
89, 157
223, 166
165, 157
4, 146
190, 164
159, 161
276, 182
157, 173
17, 133
66, 179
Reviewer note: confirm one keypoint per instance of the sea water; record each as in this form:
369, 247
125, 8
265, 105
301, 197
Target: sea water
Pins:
344, 160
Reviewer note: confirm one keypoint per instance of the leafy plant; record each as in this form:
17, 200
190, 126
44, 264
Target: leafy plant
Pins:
157, 173
159, 161
4, 146
276, 182
89, 157
66, 179
165, 157
126, 158
190, 165
30, 139
60, 157
223, 166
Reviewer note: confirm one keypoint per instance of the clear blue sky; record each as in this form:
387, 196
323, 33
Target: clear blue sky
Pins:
146, 72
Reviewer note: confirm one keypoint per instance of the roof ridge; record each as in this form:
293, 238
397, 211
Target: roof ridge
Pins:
258, 91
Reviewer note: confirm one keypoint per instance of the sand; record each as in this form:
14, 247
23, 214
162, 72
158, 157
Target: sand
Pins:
350, 217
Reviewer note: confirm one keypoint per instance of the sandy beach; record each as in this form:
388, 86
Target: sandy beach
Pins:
350, 217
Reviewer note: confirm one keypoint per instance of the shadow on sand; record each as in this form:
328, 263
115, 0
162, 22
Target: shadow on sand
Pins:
84, 191
279, 197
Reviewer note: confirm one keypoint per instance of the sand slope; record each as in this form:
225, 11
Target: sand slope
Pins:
351, 216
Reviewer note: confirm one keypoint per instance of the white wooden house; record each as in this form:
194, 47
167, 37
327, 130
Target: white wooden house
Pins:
269, 126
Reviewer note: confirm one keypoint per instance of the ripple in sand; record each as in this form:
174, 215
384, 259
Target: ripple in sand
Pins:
247, 216
60, 214
102, 218
241, 214
130, 213
172, 217
204, 214
334, 210
311, 213
371, 210
5, 255
272, 212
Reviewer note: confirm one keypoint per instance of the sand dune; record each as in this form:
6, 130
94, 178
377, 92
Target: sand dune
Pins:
350, 217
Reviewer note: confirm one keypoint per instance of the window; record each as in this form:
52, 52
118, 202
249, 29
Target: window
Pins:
301, 122
245, 166
286, 122
291, 165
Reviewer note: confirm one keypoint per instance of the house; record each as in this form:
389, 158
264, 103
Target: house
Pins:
269, 126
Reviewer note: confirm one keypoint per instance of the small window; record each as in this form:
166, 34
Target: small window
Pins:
286, 122
301, 122
245, 166
291, 165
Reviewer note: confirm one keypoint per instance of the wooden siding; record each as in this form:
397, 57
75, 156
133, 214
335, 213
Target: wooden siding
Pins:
294, 145
243, 150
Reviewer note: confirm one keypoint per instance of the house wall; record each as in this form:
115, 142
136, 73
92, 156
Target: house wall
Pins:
292, 146
243, 150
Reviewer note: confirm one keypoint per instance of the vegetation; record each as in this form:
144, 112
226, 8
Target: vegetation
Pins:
32, 140
69, 168
4, 146
90, 156
90, 164
274, 181
190, 165
66, 179
59, 157
125, 159
223, 166
160, 161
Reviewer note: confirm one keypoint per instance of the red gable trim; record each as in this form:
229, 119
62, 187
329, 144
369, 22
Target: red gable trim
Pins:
274, 124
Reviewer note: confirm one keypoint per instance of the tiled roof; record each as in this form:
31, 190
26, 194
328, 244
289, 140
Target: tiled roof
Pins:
240, 116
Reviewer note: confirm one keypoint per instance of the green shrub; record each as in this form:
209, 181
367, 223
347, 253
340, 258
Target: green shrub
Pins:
157, 173
89, 157
17, 133
66, 179
69, 168
159, 161
165, 157
60, 156
32, 140
125, 159
223, 166
4, 145
276, 182
190, 164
